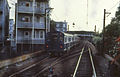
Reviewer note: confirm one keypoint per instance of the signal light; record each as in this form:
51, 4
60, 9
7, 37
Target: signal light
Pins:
61, 46
47, 46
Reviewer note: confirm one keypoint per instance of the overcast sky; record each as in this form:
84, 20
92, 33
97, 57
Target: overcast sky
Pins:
76, 11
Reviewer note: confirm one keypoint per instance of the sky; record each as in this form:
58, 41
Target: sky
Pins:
76, 11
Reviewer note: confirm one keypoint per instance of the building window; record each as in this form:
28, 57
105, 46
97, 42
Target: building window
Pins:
26, 34
65, 39
42, 6
41, 33
26, 19
27, 4
42, 21
36, 34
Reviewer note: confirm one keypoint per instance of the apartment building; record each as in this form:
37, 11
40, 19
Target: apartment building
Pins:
32, 22
61, 26
4, 22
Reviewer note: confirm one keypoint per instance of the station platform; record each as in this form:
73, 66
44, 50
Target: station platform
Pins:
4, 63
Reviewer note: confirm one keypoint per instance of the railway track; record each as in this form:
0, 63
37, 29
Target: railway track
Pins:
85, 68
33, 71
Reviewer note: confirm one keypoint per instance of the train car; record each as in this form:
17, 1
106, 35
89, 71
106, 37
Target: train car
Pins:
60, 42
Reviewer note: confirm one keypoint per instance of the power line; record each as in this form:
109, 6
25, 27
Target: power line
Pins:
114, 6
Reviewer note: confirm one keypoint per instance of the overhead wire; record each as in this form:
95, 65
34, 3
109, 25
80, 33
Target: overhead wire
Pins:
114, 6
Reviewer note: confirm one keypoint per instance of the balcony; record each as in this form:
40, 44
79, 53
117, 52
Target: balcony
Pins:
23, 9
30, 41
30, 25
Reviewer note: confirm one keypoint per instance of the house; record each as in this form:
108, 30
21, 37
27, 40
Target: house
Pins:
32, 23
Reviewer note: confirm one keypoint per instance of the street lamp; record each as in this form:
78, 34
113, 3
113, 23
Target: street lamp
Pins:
49, 9
46, 19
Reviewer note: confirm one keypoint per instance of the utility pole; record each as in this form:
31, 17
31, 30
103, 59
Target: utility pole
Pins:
47, 10
95, 29
33, 23
104, 28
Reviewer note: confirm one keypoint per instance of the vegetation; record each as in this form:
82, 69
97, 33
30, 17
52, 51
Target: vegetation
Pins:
112, 32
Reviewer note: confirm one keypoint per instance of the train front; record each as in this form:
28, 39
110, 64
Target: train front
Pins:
55, 42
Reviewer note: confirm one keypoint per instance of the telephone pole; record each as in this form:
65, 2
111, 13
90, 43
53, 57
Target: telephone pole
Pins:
104, 28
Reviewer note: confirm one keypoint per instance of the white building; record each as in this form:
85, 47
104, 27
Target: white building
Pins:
32, 22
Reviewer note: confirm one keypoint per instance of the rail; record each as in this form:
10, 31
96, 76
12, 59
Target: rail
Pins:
93, 66
14, 74
91, 60
78, 62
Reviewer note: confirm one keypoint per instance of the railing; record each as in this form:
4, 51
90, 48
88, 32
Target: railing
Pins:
23, 9
30, 25
30, 41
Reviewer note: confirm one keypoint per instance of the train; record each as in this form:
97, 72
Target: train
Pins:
58, 43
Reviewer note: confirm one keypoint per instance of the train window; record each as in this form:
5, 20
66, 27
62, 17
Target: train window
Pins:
65, 39
69, 39
72, 39
57, 25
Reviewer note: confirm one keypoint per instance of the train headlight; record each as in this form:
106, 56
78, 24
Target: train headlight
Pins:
47, 46
61, 46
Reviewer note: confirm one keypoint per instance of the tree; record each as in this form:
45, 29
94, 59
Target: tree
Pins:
112, 31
